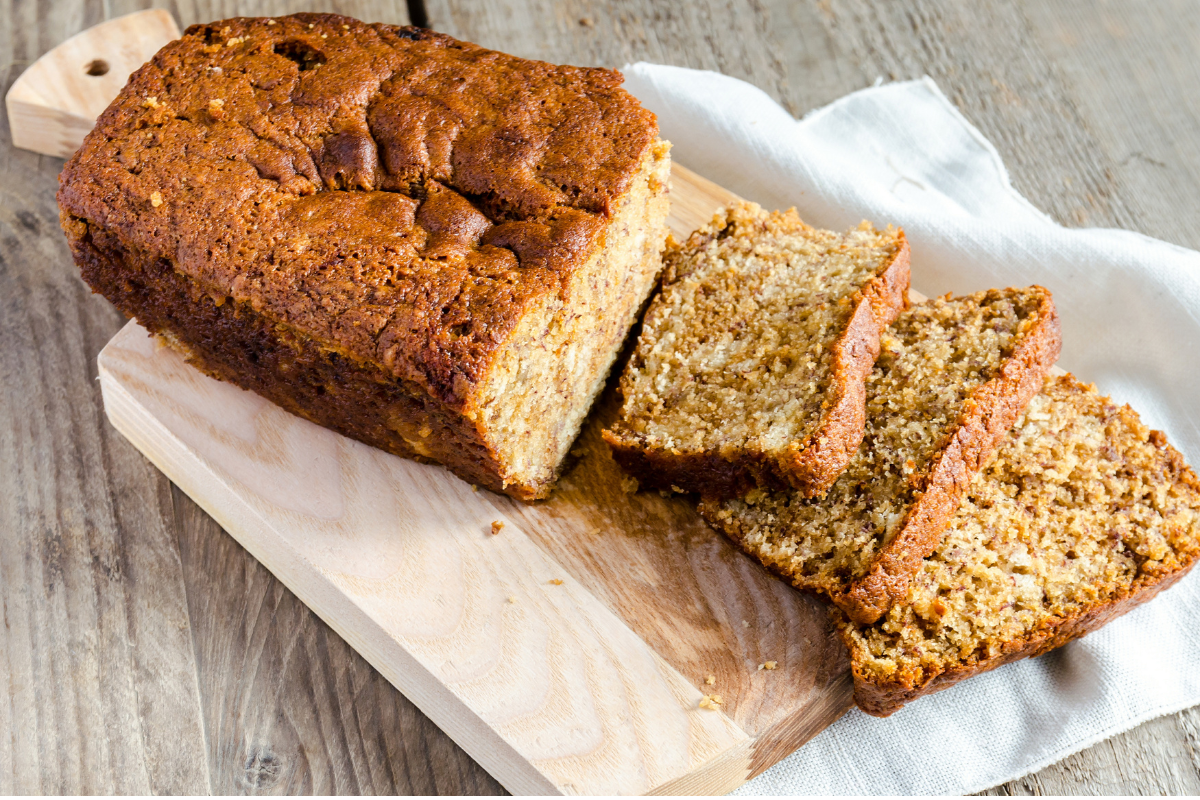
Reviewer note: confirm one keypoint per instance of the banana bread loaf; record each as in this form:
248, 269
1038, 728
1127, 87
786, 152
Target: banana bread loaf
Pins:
431, 247
1083, 514
951, 379
751, 362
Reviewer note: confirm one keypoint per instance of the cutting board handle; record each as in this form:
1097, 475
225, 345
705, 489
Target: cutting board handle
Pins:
55, 102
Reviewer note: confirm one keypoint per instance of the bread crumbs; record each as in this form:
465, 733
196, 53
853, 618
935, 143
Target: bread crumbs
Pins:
711, 701
769, 665
710, 680
156, 199
497, 526
556, 581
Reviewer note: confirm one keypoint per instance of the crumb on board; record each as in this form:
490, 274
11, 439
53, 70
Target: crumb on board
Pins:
629, 484
745, 624
497, 526
711, 701
474, 488
768, 665
710, 680
512, 598
556, 581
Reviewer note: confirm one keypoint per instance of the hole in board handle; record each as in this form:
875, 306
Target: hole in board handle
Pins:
97, 67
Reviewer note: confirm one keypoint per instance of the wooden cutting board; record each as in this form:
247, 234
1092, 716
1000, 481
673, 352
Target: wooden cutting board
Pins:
570, 652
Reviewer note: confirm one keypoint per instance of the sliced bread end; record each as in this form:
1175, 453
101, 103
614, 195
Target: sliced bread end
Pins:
750, 366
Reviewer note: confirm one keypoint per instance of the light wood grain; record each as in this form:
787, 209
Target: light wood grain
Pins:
55, 102
399, 559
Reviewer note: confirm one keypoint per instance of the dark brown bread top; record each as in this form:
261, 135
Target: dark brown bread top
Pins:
397, 195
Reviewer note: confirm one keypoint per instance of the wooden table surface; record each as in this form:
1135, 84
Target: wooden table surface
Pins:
144, 651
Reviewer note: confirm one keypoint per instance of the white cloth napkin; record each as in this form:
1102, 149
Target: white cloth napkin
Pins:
1130, 309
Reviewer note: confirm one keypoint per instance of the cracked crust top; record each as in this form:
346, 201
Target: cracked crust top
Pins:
224, 154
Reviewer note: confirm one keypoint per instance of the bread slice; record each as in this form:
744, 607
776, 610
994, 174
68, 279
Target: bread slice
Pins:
1083, 514
953, 376
751, 361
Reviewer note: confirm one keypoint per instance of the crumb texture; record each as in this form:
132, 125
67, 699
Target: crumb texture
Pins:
738, 361
932, 360
332, 189
1082, 509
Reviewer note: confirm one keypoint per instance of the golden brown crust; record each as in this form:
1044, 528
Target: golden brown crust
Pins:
337, 183
810, 466
884, 699
992, 409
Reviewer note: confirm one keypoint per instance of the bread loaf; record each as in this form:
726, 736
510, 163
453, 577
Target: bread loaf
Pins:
431, 247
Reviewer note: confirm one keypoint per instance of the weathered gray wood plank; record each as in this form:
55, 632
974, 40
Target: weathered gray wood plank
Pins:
1093, 110
1132, 70
100, 693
